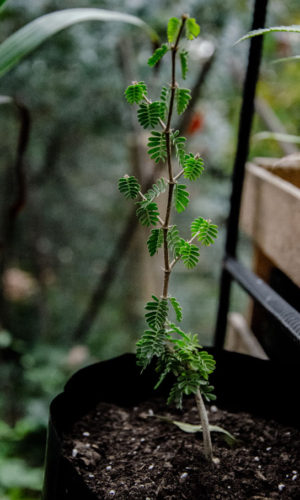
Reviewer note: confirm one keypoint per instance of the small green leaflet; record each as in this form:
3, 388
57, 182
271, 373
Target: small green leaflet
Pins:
149, 114
158, 312
177, 308
135, 92
181, 197
192, 29
164, 101
191, 428
155, 241
182, 97
147, 213
189, 254
263, 31
157, 55
157, 149
174, 241
179, 144
193, 167
129, 187
206, 231
156, 189
208, 363
152, 343
173, 29
183, 55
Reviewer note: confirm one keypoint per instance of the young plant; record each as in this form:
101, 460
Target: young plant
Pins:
173, 350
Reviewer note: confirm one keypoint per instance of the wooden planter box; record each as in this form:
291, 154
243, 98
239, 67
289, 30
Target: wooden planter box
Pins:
270, 215
270, 212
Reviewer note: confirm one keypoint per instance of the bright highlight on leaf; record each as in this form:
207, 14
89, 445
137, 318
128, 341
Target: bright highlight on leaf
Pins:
173, 29
158, 54
192, 29
182, 97
149, 114
129, 187
135, 92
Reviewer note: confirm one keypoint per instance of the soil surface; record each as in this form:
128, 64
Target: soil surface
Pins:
132, 454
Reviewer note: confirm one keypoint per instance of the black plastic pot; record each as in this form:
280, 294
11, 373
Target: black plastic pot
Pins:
242, 383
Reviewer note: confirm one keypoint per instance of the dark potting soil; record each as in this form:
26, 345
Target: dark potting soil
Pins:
131, 454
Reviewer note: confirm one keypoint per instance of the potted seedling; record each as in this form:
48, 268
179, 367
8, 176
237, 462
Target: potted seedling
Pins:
105, 440
173, 350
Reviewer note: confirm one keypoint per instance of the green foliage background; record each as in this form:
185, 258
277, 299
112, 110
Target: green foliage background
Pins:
73, 86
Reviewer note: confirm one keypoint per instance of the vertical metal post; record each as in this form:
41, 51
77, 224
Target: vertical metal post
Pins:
246, 116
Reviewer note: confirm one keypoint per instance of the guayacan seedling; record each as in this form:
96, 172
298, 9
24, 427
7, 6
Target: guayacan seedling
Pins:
164, 341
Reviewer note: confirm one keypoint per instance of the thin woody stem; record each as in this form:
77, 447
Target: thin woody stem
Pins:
167, 132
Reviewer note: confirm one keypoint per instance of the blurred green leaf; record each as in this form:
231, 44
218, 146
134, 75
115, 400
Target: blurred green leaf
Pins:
28, 38
263, 31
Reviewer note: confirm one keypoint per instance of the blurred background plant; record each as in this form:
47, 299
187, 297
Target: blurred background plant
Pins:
62, 307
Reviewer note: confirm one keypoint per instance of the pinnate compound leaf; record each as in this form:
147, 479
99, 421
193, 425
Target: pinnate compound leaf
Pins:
157, 55
193, 167
183, 55
206, 231
135, 92
189, 254
174, 241
129, 187
179, 144
182, 97
208, 363
158, 312
177, 308
152, 343
147, 213
156, 189
155, 241
157, 149
192, 28
149, 114
173, 29
181, 197
164, 95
